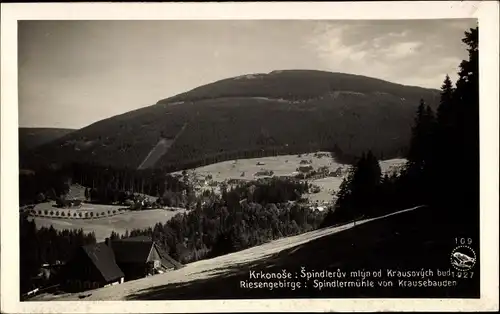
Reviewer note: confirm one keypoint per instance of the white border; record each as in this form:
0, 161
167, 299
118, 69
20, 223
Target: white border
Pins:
486, 12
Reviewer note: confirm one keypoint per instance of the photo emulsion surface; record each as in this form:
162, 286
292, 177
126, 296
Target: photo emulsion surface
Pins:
248, 159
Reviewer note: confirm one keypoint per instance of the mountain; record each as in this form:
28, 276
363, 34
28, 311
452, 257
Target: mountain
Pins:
288, 111
30, 138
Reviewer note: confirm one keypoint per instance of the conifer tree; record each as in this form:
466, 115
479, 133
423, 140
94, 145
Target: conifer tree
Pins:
429, 138
460, 154
421, 143
444, 150
357, 195
446, 102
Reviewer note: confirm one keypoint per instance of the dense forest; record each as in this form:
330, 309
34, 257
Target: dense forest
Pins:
443, 160
45, 246
106, 185
29, 138
246, 215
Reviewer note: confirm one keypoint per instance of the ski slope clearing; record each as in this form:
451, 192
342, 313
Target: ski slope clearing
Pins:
159, 150
378, 243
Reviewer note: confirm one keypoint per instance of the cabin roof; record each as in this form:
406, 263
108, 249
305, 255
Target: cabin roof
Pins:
167, 260
103, 258
132, 250
138, 238
141, 246
129, 250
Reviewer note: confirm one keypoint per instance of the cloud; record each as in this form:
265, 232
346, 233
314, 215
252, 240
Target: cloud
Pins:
406, 55
401, 50
328, 44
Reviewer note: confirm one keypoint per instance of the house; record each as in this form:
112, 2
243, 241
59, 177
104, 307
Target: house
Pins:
63, 203
93, 266
305, 169
115, 261
338, 172
139, 257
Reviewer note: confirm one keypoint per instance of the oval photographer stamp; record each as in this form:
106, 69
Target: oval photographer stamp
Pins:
463, 258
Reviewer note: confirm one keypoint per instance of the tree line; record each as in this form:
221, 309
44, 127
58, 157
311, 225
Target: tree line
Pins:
106, 185
45, 246
443, 159
243, 216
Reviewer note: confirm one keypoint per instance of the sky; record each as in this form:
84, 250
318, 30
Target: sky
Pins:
74, 73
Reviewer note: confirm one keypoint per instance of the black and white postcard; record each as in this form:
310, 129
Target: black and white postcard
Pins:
249, 156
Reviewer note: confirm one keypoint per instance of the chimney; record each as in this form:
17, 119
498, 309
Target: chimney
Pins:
107, 241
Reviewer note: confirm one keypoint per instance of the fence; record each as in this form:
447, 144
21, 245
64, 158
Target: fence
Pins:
34, 292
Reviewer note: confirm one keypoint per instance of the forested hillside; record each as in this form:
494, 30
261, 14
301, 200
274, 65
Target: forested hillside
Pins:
30, 138
244, 216
251, 116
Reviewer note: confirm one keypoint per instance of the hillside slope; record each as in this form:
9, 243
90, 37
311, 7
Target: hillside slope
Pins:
30, 138
297, 85
395, 241
251, 116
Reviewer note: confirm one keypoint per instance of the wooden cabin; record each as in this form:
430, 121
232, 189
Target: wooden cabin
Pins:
115, 261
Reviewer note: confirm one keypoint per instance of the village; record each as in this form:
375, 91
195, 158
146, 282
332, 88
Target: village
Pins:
319, 169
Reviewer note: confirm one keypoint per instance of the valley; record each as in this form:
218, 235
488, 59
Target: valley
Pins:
103, 219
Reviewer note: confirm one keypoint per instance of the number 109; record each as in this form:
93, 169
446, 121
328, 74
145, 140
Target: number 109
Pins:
463, 241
